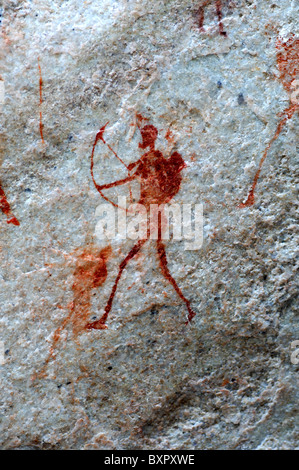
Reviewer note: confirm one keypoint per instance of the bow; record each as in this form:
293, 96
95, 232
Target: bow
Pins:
100, 136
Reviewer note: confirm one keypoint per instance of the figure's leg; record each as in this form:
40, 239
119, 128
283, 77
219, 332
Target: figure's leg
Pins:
201, 17
219, 14
100, 324
168, 276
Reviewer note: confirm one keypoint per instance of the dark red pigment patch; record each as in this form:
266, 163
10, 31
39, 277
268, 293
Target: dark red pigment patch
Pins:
160, 181
40, 103
200, 14
5, 208
288, 65
89, 274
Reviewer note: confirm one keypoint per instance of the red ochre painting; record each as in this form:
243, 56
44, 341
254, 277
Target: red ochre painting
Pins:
41, 126
5, 208
4, 204
200, 14
90, 272
288, 65
160, 180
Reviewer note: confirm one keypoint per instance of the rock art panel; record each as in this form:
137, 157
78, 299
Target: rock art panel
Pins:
167, 102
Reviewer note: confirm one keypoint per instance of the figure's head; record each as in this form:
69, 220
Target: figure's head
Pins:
149, 136
178, 161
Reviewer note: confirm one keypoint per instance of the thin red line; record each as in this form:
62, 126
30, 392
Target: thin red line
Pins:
40, 102
288, 114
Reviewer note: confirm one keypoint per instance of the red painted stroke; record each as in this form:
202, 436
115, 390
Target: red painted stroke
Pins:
5, 208
288, 65
166, 273
40, 103
99, 188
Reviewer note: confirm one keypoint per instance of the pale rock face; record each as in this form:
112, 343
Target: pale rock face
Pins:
227, 379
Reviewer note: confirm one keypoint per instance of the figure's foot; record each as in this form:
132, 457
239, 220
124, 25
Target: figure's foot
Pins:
13, 221
190, 316
96, 325
249, 201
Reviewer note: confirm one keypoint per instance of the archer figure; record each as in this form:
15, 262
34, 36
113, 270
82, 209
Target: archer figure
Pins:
160, 181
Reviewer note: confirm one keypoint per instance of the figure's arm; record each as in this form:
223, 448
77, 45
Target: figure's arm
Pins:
115, 183
131, 166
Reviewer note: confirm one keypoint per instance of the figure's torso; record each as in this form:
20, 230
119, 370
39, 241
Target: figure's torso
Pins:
160, 179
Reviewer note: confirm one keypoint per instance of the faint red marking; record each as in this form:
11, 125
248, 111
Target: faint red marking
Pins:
219, 14
90, 273
201, 15
160, 181
5, 34
288, 65
40, 103
169, 136
5, 208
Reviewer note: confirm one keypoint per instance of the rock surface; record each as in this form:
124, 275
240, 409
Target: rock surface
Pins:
215, 83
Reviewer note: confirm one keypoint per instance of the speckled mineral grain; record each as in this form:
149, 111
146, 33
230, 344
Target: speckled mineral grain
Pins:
96, 349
